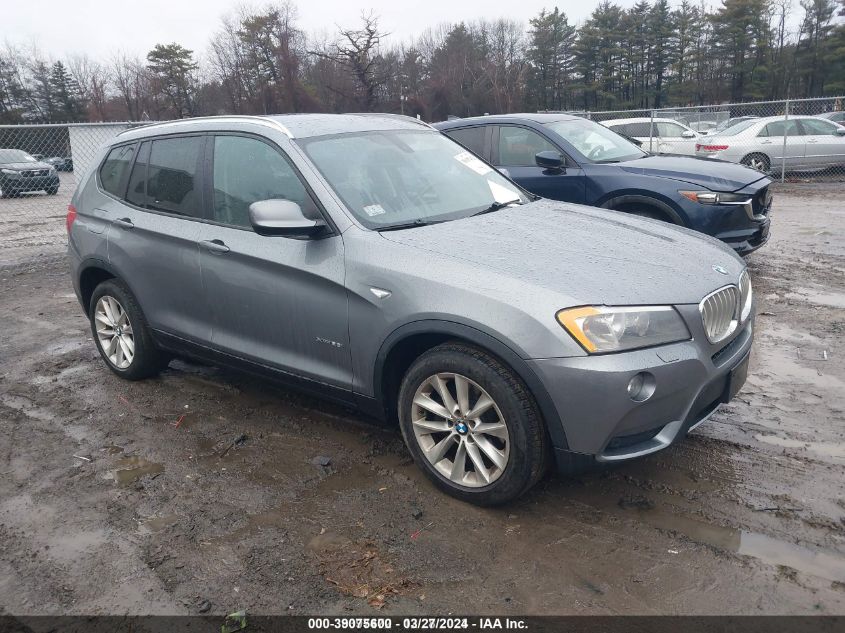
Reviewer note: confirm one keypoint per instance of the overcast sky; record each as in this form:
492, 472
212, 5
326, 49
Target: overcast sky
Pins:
101, 28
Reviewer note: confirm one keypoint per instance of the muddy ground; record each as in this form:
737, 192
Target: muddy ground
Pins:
202, 490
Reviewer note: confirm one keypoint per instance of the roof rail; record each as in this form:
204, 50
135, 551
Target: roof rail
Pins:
263, 120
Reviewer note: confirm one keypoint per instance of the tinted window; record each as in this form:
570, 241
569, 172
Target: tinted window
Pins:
137, 191
636, 129
776, 129
817, 126
172, 176
470, 137
519, 145
247, 170
114, 169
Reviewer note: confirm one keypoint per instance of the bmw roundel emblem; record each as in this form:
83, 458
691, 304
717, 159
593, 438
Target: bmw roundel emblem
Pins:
720, 270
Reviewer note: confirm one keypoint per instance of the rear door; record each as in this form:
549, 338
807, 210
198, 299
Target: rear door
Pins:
514, 148
784, 142
277, 301
824, 148
152, 240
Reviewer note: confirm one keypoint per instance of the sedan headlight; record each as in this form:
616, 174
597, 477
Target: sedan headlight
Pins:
716, 197
602, 329
746, 296
10, 172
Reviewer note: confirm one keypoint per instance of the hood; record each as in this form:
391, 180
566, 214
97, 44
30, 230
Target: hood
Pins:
26, 166
715, 175
587, 255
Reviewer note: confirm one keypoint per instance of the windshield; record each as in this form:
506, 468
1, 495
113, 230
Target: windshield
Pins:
398, 177
596, 142
15, 156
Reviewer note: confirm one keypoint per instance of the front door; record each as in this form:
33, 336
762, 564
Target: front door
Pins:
514, 149
783, 141
277, 301
824, 147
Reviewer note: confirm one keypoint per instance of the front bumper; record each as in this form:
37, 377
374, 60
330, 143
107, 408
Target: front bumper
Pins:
35, 183
602, 422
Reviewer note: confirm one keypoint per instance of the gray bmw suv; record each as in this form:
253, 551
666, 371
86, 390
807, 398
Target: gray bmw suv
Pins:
374, 261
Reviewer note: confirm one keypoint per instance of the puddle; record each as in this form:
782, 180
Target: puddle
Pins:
830, 299
828, 449
156, 524
769, 550
131, 469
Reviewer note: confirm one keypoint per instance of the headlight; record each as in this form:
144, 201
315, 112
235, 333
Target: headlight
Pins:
10, 172
604, 329
745, 295
715, 197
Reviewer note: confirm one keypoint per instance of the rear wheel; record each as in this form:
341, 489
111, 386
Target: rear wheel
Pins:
760, 162
471, 425
121, 333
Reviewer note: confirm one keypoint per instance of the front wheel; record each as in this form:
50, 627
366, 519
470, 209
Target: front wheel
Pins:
52, 191
121, 333
471, 425
760, 162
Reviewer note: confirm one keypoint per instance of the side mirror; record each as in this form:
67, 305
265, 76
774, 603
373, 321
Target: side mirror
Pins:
689, 134
283, 217
548, 159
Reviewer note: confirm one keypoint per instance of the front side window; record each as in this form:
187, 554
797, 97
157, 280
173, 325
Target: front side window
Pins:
247, 170
669, 130
396, 177
172, 175
819, 127
595, 142
518, 146
114, 169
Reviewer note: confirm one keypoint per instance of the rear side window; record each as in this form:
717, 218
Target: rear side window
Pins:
114, 169
247, 170
137, 191
636, 129
777, 128
172, 184
470, 137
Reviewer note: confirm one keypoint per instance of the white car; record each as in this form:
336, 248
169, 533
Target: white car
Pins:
668, 136
800, 143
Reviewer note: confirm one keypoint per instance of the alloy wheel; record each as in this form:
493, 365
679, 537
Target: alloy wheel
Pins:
460, 430
114, 332
757, 163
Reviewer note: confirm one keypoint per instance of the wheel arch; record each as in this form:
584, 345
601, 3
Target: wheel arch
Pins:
615, 201
408, 342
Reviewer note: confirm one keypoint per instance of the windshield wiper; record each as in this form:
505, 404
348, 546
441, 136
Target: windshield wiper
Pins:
497, 206
408, 225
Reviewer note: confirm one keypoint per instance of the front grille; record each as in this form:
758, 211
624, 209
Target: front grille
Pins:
35, 173
719, 313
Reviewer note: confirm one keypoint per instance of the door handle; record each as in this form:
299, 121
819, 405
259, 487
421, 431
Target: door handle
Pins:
815, 140
125, 223
765, 142
215, 246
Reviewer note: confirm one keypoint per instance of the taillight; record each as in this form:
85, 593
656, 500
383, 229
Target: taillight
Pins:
710, 148
71, 216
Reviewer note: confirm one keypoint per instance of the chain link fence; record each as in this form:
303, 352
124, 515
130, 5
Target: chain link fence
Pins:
801, 140
40, 166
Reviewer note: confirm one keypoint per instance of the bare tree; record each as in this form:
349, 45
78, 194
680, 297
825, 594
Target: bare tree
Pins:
93, 79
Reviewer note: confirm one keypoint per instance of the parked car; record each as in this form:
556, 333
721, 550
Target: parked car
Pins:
667, 136
20, 172
60, 163
724, 125
568, 158
702, 127
374, 261
836, 117
798, 144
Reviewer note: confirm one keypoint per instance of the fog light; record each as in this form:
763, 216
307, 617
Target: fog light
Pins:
641, 387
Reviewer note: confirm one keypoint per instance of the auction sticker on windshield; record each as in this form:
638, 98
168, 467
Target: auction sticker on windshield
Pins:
472, 162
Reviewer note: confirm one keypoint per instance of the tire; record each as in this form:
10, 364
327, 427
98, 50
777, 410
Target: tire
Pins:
643, 212
52, 191
757, 161
146, 359
521, 448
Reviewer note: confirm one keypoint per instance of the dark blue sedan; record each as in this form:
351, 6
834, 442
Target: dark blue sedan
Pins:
569, 158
